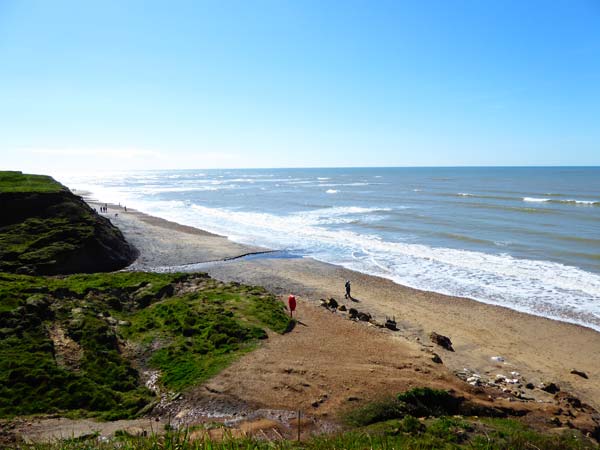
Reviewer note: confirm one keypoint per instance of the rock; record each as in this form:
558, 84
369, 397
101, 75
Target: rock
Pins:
124, 323
323, 303
132, 431
579, 373
474, 381
565, 397
436, 359
342, 308
497, 358
332, 303
551, 388
353, 313
441, 340
390, 324
365, 317
529, 386
315, 404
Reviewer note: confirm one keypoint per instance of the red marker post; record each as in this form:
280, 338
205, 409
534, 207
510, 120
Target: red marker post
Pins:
292, 304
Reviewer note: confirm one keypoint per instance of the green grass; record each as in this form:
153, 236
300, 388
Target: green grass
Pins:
409, 434
204, 331
420, 402
12, 181
188, 337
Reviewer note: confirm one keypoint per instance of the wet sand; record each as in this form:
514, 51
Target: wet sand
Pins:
541, 350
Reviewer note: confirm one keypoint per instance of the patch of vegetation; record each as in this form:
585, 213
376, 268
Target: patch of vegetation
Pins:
13, 181
203, 331
439, 433
62, 338
420, 402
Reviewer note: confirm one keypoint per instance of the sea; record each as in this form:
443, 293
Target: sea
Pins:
527, 238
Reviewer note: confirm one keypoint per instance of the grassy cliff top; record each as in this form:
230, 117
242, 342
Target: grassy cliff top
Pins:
45, 229
13, 181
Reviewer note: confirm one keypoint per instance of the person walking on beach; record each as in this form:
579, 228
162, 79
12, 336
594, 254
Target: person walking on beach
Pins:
292, 304
347, 286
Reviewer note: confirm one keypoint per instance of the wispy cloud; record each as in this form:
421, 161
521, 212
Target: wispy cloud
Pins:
112, 153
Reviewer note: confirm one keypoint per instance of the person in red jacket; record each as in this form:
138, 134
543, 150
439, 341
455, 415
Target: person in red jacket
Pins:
292, 304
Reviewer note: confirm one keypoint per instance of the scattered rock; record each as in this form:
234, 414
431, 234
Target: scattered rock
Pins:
497, 358
441, 340
551, 388
579, 373
365, 317
342, 308
529, 386
474, 380
112, 321
556, 421
565, 397
332, 303
353, 399
390, 324
353, 313
436, 359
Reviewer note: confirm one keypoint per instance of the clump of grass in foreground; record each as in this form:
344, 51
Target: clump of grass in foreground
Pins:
61, 338
410, 433
417, 402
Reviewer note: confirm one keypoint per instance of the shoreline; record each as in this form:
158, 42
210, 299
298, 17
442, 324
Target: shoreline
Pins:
542, 349
260, 250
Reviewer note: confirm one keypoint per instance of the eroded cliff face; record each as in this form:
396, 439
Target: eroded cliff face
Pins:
53, 231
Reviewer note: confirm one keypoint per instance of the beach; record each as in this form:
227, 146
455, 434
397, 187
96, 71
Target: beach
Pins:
540, 350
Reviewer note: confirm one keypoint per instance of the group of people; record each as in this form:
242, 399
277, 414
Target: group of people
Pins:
104, 209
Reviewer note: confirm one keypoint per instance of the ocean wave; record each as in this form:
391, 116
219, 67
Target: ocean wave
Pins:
536, 200
579, 202
566, 201
539, 287
331, 191
372, 240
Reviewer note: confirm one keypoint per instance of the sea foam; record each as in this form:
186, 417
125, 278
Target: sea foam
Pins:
538, 287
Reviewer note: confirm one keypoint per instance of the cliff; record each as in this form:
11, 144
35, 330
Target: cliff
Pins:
46, 230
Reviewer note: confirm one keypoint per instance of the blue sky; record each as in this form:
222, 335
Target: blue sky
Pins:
127, 84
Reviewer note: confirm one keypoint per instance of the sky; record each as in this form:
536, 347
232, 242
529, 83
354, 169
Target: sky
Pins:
110, 85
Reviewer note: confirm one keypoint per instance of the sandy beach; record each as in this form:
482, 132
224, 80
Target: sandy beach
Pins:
539, 349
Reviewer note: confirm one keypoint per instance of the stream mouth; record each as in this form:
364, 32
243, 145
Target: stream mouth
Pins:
201, 266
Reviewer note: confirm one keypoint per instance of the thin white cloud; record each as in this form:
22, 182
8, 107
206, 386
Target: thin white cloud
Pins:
120, 153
